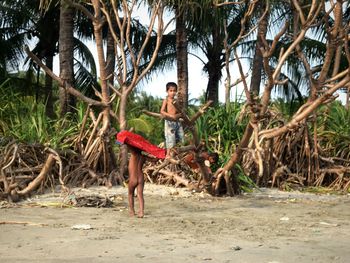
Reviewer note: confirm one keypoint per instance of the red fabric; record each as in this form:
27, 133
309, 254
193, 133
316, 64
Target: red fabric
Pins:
141, 143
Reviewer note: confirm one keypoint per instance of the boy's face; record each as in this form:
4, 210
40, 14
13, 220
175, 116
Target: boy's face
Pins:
171, 92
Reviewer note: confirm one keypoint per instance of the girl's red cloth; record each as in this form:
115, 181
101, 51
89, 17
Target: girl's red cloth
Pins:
141, 143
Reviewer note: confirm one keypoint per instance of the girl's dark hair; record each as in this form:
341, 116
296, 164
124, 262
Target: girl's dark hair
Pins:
215, 156
171, 84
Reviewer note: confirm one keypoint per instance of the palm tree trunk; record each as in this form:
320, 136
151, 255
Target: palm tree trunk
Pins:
214, 73
181, 54
214, 67
66, 53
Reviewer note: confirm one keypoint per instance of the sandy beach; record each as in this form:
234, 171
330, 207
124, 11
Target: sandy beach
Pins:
179, 226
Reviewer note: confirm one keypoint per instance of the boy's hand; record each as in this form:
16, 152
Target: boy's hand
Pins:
178, 116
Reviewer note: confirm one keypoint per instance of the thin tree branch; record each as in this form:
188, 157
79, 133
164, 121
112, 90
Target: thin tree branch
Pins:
61, 82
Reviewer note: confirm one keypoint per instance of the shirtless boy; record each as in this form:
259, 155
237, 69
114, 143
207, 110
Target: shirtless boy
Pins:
173, 130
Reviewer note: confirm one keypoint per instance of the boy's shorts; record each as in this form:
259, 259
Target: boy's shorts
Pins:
173, 133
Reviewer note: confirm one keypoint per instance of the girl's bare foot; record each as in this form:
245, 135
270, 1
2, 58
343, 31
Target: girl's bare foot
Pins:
140, 215
132, 213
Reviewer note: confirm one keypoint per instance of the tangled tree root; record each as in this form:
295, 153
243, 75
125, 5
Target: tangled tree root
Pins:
292, 161
32, 168
28, 169
172, 172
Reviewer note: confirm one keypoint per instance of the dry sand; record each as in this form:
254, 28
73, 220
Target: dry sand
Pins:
179, 226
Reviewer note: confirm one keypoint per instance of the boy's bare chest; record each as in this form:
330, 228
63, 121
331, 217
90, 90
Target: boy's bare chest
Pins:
170, 107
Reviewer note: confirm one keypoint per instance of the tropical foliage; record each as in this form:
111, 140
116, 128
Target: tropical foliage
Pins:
334, 130
287, 132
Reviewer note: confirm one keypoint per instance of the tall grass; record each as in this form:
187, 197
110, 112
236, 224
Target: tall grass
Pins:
221, 128
334, 130
24, 119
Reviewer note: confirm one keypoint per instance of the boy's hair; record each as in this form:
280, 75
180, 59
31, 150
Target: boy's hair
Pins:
171, 84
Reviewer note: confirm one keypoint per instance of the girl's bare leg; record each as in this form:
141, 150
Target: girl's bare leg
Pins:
141, 200
133, 180
140, 186
131, 190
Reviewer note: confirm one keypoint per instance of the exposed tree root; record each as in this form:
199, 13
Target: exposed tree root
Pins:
27, 169
32, 168
294, 164
173, 172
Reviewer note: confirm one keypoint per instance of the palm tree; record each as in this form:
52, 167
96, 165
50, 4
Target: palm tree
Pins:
66, 54
207, 33
23, 23
15, 21
202, 30
46, 48
181, 53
